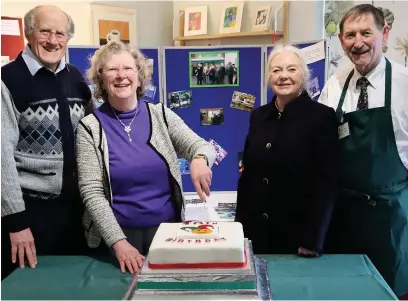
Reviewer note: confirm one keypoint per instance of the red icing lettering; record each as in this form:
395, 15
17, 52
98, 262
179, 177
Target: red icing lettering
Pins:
208, 240
188, 240
198, 240
180, 240
170, 239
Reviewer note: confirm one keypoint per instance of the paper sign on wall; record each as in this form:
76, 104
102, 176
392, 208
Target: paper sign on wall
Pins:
313, 53
10, 28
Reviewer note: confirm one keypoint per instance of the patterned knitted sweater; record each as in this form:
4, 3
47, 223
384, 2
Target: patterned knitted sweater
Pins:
39, 114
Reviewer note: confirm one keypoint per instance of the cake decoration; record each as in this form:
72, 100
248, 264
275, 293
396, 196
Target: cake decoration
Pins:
200, 229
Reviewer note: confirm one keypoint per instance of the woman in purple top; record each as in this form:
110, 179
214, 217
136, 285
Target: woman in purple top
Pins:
127, 151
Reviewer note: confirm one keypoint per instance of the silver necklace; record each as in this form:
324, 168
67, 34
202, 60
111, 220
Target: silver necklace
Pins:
127, 128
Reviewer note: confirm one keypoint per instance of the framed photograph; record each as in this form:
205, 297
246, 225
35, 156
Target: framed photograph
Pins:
180, 99
231, 17
195, 21
212, 116
113, 24
262, 18
214, 69
243, 101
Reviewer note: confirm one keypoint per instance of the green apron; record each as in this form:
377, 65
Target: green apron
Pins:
372, 211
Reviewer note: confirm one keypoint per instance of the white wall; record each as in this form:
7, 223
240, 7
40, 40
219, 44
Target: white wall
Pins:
154, 18
305, 20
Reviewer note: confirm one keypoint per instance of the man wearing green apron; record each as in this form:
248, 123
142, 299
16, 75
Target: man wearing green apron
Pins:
371, 103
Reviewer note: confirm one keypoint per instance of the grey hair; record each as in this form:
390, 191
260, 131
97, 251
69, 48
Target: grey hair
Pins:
287, 47
29, 23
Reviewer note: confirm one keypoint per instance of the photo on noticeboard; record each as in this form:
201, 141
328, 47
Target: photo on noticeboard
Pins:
214, 69
212, 116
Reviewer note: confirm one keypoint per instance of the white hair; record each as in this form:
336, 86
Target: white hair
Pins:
290, 48
29, 23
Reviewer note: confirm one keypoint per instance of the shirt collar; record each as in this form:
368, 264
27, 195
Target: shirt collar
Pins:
34, 64
374, 75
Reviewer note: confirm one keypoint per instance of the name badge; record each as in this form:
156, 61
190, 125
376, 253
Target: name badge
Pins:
344, 130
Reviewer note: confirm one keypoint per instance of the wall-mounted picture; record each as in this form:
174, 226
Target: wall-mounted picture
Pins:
150, 63
195, 21
262, 18
113, 24
231, 17
243, 101
150, 91
180, 99
214, 69
184, 166
220, 153
212, 116
240, 162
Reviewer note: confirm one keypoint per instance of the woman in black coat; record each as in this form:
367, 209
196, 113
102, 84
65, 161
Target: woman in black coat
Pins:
288, 186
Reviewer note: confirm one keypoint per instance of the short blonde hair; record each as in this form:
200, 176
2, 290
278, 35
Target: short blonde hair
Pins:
287, 47
101, 57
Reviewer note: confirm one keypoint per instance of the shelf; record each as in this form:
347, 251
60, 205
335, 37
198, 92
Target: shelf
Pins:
229, 35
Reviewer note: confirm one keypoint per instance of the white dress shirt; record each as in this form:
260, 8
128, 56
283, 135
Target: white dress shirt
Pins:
331, 94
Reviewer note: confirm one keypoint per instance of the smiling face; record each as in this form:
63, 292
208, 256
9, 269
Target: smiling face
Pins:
120, 77
49, 50
362, 41
286, 75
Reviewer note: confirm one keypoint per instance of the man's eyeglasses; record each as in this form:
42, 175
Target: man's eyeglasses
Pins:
46, 33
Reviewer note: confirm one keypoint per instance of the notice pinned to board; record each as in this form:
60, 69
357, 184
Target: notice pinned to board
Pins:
313, 53
10, 28
4, 60
314, 87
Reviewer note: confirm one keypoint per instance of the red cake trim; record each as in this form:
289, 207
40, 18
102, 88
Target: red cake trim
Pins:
203, 265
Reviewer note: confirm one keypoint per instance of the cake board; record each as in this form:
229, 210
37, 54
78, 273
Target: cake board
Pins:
256, 271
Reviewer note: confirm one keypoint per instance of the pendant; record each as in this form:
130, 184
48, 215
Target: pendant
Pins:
127, 129
279, 115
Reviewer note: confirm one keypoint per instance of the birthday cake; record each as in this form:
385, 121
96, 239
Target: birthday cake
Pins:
196, 245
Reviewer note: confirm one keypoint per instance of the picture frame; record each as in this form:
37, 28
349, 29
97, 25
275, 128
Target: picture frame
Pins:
262, 18
113, 23
216, 68
231, 17
195, 20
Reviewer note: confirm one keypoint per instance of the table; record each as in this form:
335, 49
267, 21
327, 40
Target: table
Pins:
341, 277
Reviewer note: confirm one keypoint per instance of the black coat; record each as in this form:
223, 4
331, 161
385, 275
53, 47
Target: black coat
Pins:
288, 187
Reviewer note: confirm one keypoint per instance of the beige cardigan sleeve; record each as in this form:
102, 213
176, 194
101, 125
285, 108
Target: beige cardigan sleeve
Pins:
91, 183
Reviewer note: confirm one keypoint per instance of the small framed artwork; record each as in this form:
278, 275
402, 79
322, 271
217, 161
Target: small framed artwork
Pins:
195, 21
113, 24
262, 18
214, 69
231, 17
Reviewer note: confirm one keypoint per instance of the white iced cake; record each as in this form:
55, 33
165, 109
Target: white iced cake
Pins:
197, 245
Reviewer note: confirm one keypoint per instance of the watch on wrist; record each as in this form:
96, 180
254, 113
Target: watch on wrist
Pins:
201, 156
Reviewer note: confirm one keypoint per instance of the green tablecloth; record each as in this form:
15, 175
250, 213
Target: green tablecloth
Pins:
341, 277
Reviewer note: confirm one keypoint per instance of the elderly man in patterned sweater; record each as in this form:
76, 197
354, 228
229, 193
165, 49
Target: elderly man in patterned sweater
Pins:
42, 100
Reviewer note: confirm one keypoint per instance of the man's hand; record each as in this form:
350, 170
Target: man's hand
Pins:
128, 256
23, 243
201, 175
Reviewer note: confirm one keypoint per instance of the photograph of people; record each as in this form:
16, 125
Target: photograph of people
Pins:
288, 185
127, 156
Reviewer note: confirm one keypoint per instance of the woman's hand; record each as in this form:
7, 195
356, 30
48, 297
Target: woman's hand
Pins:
128, 256
201, 175
307, 253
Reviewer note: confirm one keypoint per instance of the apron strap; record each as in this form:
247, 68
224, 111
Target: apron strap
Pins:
339, 110
388, 77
